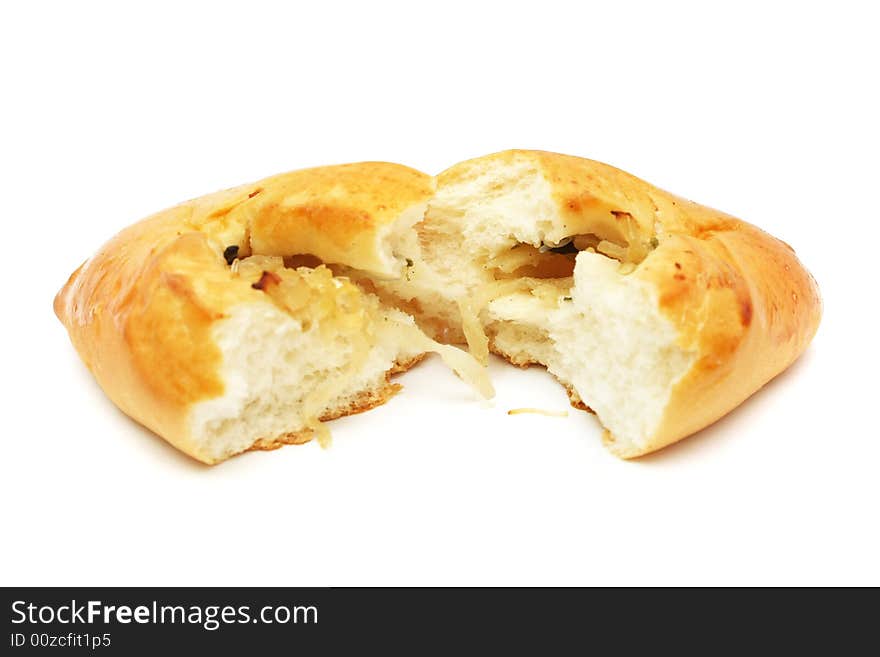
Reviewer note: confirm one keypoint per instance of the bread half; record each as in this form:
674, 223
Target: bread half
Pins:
658, 314
196, 327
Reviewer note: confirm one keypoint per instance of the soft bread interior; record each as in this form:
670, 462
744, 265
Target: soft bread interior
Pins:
495, 263
315, 348
604, 340
491, 262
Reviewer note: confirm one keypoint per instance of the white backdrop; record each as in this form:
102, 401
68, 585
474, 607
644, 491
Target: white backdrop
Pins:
766, 110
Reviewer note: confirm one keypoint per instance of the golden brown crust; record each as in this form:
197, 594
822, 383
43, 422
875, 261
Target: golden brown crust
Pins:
336, 213
402, 365
519, 360
575, 399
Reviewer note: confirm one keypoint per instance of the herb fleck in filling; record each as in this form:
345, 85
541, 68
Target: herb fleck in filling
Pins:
230, 253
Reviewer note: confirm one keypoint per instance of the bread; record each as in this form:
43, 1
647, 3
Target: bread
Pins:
658, 314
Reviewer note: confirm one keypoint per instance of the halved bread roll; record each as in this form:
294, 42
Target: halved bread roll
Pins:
659, 314
241, 319
193, 325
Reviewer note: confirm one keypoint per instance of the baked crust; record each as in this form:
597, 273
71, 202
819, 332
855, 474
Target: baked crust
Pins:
337, 213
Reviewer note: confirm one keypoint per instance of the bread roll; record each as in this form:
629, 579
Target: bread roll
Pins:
241, 319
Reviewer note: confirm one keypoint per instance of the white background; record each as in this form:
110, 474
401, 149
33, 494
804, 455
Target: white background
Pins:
768, 111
